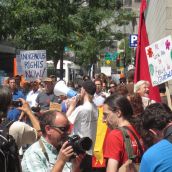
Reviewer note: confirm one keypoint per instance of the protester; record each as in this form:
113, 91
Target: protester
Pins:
45, 97
99, 96
112, 87
157, 119
136, 103
46, 154
122, 79
85, 77
142, 88
130, 81
117, 113
33, 93
121, 89
18, 81
14, 113
84, 119
163, 95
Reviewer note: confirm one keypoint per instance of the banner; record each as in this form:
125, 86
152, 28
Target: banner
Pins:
33, 64
142, 69
159, 56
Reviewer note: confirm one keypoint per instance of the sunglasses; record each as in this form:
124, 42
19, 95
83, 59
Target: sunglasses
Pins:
63, 129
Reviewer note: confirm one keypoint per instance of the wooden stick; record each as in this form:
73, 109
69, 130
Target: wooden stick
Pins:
168, 95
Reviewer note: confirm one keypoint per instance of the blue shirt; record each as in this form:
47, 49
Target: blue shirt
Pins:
157, 158
13, 113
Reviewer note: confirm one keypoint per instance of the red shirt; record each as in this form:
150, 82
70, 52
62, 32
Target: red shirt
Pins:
115, 146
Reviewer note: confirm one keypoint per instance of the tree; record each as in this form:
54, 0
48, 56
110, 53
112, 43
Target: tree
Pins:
53, 25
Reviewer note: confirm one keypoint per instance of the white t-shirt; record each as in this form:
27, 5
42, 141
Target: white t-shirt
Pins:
31, 98
84, 119
98, 99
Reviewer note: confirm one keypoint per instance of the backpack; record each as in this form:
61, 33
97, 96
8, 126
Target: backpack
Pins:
130, 165
9, 157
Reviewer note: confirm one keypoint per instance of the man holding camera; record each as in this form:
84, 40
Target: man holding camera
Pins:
46, 154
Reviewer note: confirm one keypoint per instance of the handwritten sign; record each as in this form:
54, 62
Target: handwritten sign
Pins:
33, 64
159, 56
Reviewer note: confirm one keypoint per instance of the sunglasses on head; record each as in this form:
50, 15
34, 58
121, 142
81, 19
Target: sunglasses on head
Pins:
63, 129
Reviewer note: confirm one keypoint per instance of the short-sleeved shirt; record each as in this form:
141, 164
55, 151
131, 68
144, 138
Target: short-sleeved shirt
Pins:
13, 113
157, 158
43, 100
84, 119
34, 159
115, 146
31, 98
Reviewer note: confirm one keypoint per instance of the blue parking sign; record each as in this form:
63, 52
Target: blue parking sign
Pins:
133, 40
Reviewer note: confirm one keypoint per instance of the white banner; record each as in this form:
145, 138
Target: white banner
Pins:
33, 64
159, 56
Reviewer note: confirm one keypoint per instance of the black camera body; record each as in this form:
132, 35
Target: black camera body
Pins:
17, 103
79, 145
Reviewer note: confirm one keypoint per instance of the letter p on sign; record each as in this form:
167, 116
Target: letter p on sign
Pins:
133, 40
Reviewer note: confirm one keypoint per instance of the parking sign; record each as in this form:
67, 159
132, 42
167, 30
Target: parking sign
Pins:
133, 40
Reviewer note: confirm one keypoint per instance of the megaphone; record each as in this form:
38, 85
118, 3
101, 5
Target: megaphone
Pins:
62, 89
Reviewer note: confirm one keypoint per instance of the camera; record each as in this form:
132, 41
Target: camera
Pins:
16, 103
79, 145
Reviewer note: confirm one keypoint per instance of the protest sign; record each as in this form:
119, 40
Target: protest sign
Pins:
33, 64
159, 56
106, 70
55, 106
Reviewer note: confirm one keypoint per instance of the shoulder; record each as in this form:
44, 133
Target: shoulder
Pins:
33, 151
158, 148
115, 134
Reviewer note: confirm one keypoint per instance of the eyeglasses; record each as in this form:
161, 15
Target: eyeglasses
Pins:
62, 129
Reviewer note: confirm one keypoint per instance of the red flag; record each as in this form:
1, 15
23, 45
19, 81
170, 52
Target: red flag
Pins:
142, 70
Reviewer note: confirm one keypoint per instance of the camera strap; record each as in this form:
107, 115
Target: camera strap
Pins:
43, 149
168, 133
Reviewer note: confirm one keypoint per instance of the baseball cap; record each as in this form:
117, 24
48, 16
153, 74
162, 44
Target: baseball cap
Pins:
89, 87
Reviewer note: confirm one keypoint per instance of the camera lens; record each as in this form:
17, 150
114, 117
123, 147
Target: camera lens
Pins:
80, 145
86, 143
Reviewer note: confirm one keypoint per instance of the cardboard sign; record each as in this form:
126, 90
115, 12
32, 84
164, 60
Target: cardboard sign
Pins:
34, 64
159, 56
55, 106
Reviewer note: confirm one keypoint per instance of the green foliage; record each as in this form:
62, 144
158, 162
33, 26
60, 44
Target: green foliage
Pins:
127, 50
53, 25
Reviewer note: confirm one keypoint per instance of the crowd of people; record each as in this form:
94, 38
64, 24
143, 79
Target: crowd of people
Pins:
44, 132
